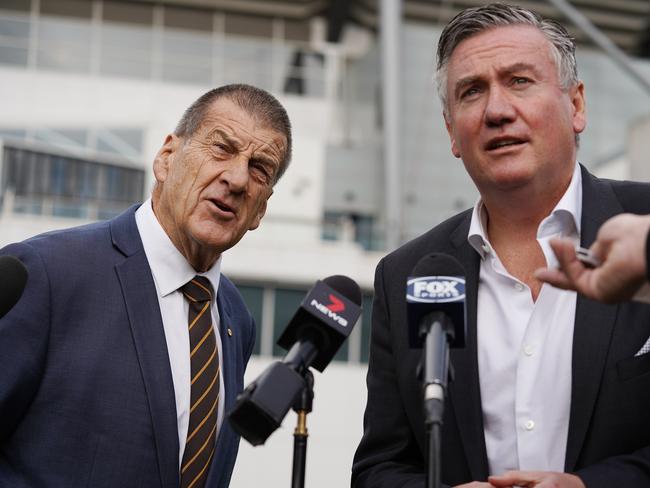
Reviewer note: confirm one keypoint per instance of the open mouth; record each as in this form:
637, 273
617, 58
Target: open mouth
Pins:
505, 142
222, 206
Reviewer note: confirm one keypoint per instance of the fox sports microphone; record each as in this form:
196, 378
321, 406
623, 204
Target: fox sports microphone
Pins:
435, 300
13, 278
323, 321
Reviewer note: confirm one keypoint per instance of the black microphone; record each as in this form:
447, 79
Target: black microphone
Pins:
323, 321
435, 299
13, 278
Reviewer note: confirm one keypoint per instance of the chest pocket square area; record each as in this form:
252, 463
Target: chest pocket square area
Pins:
645, 349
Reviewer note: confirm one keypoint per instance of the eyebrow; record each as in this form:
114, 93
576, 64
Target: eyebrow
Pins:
265, 155
508, 70
227, 137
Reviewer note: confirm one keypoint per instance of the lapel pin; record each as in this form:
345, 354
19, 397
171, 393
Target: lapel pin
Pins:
229, 332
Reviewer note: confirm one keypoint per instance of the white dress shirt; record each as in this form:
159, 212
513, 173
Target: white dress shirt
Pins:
170, 271
525, 349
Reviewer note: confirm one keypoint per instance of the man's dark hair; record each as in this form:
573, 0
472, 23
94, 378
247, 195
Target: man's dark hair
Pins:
257, 102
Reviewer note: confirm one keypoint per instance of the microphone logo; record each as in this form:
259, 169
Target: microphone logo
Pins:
335, 305
332, 310
435, 289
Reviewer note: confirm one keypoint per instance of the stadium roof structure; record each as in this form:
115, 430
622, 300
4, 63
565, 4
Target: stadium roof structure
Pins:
625, 22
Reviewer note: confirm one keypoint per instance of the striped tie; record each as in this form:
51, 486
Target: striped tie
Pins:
204, 397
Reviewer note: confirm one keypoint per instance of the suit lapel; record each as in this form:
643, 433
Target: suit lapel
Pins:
148, 334
594, 323
465, 394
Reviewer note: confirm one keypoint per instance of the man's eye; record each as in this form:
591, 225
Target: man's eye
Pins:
469, 92
262, 171
520, 81
221, 147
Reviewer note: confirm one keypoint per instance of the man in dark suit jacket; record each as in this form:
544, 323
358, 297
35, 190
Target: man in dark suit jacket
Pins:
96, 365
552, 389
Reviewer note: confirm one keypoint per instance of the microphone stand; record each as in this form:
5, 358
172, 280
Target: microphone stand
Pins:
302, 407
436, 329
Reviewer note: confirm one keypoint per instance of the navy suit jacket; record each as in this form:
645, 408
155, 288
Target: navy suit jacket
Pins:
86, 392
609, 433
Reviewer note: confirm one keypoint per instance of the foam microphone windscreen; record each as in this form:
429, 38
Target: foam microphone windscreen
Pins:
436, 284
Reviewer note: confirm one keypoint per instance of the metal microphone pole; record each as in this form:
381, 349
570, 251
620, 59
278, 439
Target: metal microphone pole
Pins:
302, 407
434, 377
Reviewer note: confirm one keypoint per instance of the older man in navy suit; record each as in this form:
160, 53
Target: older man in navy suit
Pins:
128, 345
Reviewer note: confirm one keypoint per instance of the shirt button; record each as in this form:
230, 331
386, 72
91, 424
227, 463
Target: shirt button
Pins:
528, 350
519, 287
530, 425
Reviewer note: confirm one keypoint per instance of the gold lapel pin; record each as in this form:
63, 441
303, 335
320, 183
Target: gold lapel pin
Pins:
229, 332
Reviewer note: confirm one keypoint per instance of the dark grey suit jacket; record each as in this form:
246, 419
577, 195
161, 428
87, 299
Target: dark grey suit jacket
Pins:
609, 428
86, 391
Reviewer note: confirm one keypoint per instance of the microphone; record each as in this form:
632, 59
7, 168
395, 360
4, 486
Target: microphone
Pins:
323, 321
13, 278
435, 296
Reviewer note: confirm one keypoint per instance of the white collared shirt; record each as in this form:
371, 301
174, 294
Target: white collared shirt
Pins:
525, 349
170, 271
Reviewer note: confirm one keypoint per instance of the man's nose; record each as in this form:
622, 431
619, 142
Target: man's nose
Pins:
499, 109
236, 175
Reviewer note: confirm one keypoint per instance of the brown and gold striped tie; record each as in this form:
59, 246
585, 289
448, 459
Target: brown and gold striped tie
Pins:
204, 396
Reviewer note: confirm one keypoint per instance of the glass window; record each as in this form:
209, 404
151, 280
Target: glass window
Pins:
67, 186
13, 133
253, 297
16, 5
57, 176
248, 61
127, 40
297, 30
67, 8
248, 25
188, 19
127, 13
64, 43
187, 56
126, 50
63, 137
286, 304
126, 142
14, 37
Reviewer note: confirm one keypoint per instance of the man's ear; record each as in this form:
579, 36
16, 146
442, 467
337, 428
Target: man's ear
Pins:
260, 213
452, 138
164, 157
578, 102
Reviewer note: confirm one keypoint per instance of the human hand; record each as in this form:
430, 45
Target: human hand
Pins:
537, 479
620, 244
475, 484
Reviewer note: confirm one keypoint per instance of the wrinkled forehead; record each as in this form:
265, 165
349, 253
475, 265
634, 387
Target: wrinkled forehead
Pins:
226, 115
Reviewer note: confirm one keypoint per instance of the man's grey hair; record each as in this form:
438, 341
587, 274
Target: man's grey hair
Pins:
256, 102
475, 20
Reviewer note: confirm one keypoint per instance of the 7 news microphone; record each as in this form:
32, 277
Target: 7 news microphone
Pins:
435, 301
323, 321
13, 278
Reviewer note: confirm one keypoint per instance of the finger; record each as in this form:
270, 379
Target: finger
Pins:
476, 484
578, 277
516, 478
553, 277
570, 268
